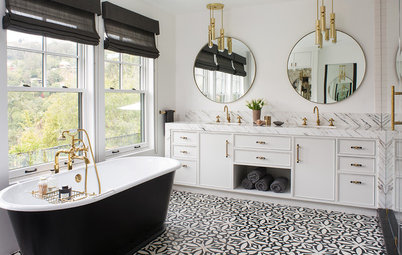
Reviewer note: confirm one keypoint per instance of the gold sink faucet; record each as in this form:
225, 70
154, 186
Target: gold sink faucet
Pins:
318, 114
226, 109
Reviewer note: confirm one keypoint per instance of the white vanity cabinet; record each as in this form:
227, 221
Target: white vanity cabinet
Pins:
216, 168
332, 170
314, 169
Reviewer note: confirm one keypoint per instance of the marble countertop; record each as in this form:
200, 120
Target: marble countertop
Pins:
283, 130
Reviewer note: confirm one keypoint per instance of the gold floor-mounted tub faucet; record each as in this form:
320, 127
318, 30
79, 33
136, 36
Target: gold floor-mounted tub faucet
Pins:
76, 147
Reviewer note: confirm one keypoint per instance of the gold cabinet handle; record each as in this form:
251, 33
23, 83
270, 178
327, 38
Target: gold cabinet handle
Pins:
261, 158
184, 152
184, 166
356, 182
297, 153
260, 142
227, 148
184, 137
356, 147
356, 165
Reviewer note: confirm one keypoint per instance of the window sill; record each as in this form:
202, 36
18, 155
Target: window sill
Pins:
146, 151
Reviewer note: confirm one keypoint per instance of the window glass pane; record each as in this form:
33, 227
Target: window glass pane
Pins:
21, 40
35, 121
61, 46
127, 58
112, 75
24, 68
131, 77
111, 55
61, 71
123, 119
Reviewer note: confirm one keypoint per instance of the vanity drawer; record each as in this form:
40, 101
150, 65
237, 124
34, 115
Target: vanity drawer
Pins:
184, 152
263, 142
357, 147
185, 138
187, 173
365, 165
356, 189
263, 158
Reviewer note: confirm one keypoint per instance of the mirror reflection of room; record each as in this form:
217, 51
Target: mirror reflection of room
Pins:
328, 74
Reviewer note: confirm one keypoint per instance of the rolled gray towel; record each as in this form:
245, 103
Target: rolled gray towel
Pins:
247, 184
265, 183
256, 174
279, 185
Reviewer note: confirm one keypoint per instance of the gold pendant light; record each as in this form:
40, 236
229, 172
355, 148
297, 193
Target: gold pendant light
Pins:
211, 28
230, 46
321, 25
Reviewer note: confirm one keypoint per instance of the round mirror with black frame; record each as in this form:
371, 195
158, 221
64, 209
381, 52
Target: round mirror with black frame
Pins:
225, 77
329, 74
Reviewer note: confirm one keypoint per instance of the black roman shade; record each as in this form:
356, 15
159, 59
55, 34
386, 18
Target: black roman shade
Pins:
72, 20
225, 62
129, 32
238, 63
206, 58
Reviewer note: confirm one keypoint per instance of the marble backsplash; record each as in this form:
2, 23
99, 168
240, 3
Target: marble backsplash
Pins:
342, 120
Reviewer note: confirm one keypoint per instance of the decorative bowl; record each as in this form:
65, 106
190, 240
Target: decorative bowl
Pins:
278, 123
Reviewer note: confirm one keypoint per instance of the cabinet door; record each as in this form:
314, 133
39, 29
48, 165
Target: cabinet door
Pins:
216, 160
314, 170
302, 59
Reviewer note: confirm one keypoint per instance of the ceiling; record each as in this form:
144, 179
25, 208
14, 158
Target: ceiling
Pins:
185, 6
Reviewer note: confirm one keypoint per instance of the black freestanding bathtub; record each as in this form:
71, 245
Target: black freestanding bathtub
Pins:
130, 213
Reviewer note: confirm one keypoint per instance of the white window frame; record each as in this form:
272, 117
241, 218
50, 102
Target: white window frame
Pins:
80, 90
146, 90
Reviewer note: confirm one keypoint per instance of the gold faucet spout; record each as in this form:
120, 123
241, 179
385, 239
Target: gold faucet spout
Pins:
318, 114
226, 109
56, 159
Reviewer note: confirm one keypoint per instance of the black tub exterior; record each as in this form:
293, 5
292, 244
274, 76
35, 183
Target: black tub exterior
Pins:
118, 225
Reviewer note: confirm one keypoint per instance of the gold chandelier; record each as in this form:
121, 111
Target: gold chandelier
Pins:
321, 25
212, 26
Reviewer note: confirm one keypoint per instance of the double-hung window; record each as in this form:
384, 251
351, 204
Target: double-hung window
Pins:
127, 97
45, 91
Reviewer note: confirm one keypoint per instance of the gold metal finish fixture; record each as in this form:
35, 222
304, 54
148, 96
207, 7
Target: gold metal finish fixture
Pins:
53, 196
239, 118
298, 153
393, 122
321, 25
230, 46
260, 142
261, 158
331, 122
356, 147
226, 109
212, 26
356, 182
184, 137
78, 178
184, 166
356, 165
184, 152
304, 121
318, 114
73, 153
227, 149
218, 118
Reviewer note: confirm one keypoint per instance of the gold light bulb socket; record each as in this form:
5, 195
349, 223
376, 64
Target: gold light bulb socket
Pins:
230, 47
213, 28
221, 43
323, 19
332, 27
318, 35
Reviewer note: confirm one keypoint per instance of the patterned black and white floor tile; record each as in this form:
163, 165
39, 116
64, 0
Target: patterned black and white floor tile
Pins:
206, 224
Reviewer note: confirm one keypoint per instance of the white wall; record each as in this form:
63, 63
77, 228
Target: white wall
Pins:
8, 242
271, 30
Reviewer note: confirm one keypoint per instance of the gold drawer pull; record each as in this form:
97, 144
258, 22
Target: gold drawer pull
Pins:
298, 153
356, 147
262, 158
184, 166
356, 182
260, 142
184, 152
184, 137
356, 165
227, 149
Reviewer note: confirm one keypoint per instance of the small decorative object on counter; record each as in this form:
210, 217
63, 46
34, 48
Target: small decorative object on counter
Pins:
278, 123
256, 105
42, 186
52, 182
259, 122
267, 120
65, 192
